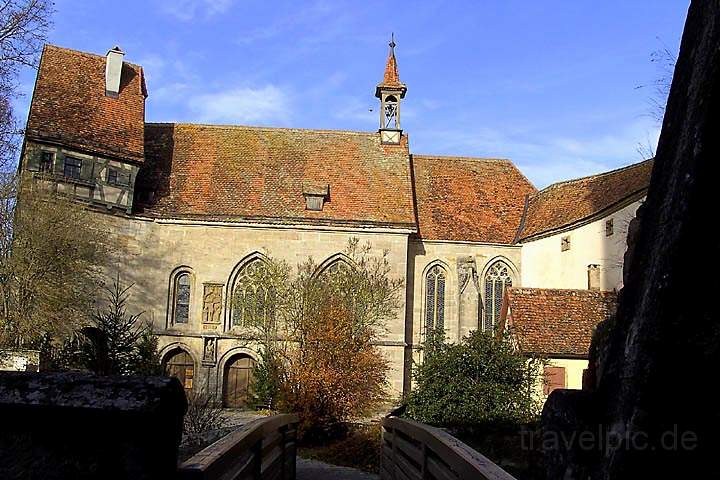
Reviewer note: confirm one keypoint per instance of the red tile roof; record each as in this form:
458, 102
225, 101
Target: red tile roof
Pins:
469, 199
238, 173
567, 203
69, 105
552, 322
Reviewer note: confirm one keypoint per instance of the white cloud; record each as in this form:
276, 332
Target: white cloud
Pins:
187, 10
267, 105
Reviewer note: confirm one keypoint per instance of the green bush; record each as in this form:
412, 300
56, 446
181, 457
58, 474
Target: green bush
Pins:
481, 380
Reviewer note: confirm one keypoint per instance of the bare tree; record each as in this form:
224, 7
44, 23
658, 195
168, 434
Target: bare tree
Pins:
24, 25
50, 268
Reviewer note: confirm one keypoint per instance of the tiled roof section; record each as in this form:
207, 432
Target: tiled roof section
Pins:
69, 105
234, 173
556, 322
566, 203
469, 199
391, 78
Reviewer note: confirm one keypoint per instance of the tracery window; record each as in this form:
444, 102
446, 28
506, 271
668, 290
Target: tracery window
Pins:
181, 305
435, 298
497, 279
251, 299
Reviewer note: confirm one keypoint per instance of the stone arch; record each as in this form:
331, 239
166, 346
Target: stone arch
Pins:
224, 366
172, 280
185, 375
232, 283
338, 258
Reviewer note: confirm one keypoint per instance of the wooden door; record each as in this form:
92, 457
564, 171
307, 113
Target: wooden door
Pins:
181, 365
237, 381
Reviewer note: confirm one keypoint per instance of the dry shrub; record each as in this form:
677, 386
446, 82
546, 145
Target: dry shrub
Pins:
337, 375
202, 415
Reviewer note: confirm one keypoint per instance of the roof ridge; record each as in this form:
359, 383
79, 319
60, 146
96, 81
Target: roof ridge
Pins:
86, 54
462, 157
568, 290
596, 175
259, 127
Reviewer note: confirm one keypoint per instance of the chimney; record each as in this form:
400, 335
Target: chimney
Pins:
113, 70
593, 277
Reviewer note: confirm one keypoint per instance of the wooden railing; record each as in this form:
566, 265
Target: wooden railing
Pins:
415, 451
264, 449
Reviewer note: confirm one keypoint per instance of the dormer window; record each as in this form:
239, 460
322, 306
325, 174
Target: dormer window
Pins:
315, 194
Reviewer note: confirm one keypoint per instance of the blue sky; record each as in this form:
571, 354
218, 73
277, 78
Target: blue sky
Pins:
552, 85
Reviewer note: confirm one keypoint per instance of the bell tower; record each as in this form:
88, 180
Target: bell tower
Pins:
390, 91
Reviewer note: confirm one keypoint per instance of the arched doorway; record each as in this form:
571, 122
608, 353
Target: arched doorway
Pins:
237, 378
178, 363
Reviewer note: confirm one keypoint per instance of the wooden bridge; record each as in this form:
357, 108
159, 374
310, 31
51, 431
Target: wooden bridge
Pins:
265, 449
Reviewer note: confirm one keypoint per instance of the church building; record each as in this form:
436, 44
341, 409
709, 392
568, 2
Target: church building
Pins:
194, 208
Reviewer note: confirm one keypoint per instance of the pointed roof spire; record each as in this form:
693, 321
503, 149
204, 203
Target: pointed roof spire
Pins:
391, 79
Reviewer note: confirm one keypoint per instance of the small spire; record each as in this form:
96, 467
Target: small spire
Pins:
391, 78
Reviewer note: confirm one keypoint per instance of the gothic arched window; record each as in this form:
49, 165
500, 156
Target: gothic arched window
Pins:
435, 298
251, 299
497, 279
181, 297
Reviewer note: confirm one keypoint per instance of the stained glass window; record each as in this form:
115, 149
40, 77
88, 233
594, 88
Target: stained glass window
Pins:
497, 279
435, 298
182, 298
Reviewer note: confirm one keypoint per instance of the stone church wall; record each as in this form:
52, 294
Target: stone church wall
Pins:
149, 252
465, 264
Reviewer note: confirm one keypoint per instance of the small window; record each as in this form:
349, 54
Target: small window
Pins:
47, 160
314, 203
181, 311
118, 177
609, 228
72, 167
565, 244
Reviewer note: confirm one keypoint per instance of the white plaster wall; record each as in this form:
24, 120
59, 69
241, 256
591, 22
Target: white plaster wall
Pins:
149, 251
573, 374
424, 254
546, 266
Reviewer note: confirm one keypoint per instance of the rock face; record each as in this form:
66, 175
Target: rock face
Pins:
80, 426
654, 408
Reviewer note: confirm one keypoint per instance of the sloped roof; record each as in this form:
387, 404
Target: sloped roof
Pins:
555, 322
566, 203
469, 199
238, 173
69, 105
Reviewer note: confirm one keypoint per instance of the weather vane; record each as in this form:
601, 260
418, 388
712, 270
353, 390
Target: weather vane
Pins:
392, 41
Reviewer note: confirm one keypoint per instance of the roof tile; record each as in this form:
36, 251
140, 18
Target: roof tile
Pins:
567, 203
69, 105
468, 199
250, 173
555, 322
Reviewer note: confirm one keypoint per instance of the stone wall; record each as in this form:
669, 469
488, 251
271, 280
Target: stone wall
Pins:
151, 252
79, 426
